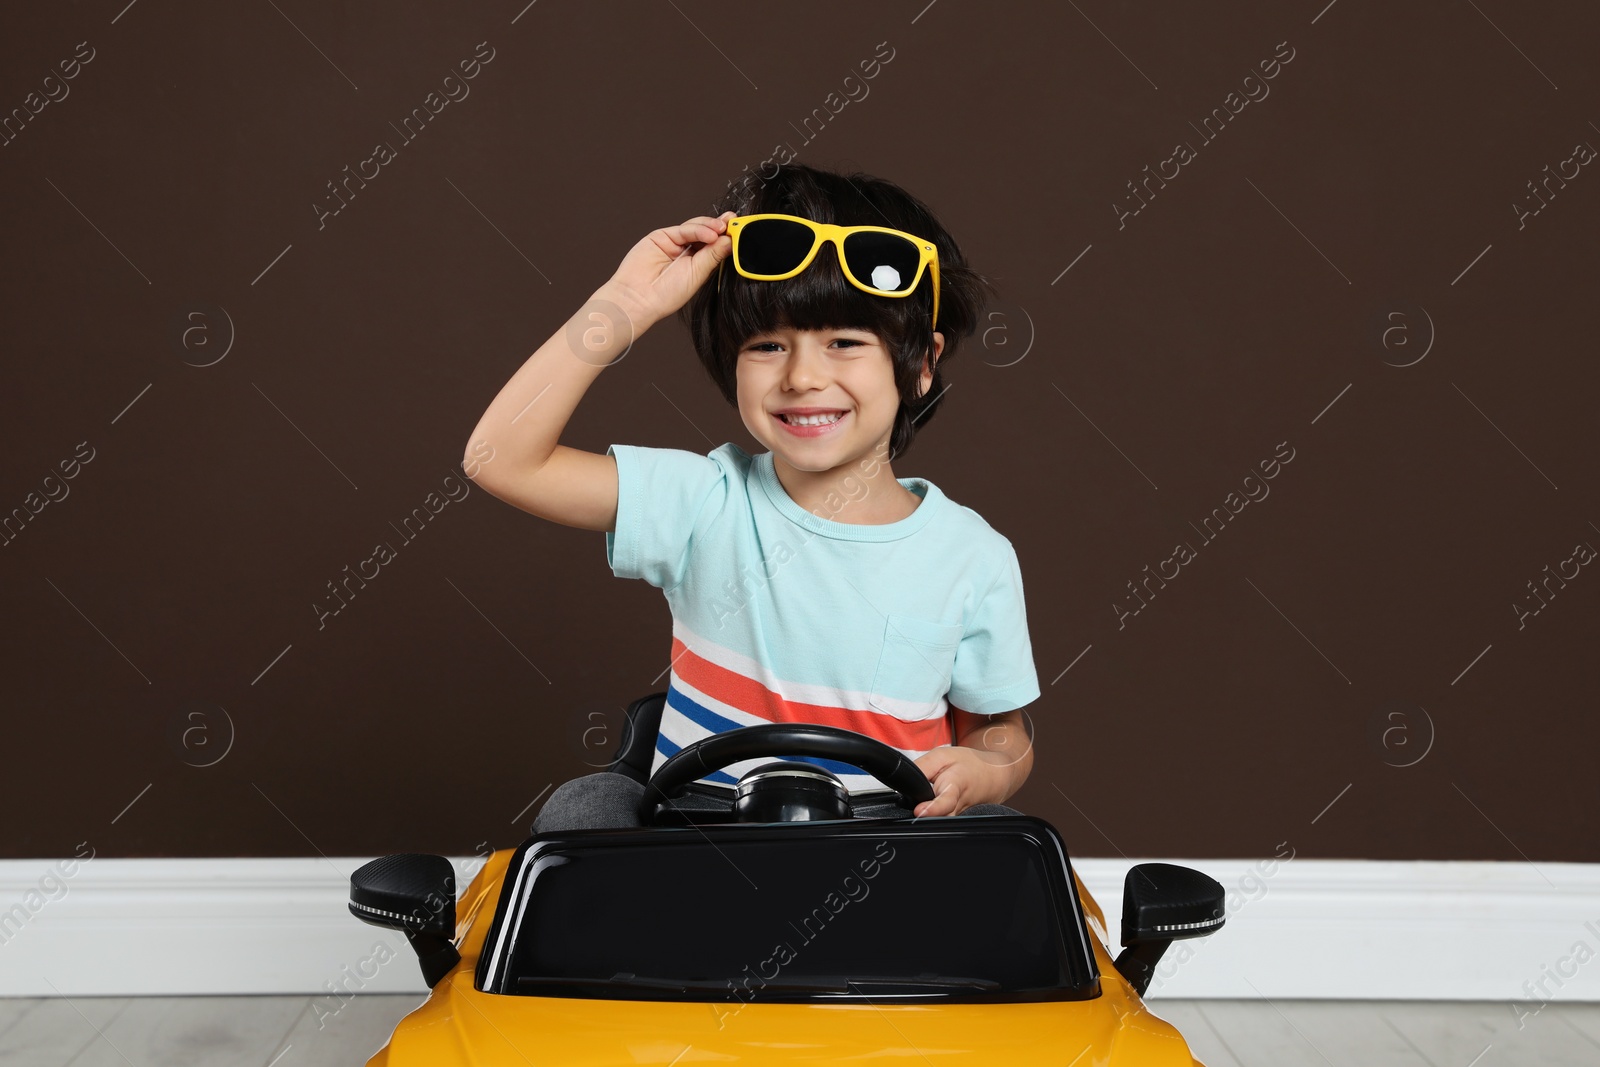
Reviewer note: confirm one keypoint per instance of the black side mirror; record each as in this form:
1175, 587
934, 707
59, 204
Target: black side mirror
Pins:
1163, 903
416, 894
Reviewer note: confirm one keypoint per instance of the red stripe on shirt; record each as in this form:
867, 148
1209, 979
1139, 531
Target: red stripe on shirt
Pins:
749, 695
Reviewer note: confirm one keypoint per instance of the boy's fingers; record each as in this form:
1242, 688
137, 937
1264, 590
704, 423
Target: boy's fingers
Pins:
946, 799
682, 236
675, 233
709, 255
715, 225
693, 234
700, 230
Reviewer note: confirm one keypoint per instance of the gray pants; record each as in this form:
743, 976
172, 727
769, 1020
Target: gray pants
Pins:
607, 799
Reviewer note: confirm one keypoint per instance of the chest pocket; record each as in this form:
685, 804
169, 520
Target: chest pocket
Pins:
914, 665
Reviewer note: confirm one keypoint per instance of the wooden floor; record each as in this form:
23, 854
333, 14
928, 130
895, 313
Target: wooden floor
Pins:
284, 1031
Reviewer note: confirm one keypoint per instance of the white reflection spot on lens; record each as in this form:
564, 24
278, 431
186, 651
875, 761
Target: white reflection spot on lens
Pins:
886, 277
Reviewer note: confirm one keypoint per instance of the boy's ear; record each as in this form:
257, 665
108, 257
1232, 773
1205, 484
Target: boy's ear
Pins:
929, 363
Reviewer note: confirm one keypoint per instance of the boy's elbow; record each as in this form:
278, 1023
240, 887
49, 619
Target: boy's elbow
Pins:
1022, 767
1017, 772
475, 459
1025, 766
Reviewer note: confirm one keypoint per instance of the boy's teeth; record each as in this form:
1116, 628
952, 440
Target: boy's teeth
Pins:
812, 420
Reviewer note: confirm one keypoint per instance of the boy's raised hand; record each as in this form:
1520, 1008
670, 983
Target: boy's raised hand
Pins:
667, 267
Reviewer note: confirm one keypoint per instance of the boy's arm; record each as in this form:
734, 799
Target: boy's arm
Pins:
992, 757
514, 452
993, 753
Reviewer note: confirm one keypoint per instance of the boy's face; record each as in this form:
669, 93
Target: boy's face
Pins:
847, 371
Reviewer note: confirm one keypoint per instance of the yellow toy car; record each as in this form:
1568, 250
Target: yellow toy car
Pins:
783, 931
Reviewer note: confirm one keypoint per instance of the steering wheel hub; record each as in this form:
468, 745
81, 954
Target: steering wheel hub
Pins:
790, 791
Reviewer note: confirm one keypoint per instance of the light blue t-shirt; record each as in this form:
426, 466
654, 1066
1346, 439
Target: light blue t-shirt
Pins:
781, 615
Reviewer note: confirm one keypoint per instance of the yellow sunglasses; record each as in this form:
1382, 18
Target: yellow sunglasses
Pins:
875, 259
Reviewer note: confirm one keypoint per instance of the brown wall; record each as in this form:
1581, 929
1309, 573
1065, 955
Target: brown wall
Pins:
1294, 663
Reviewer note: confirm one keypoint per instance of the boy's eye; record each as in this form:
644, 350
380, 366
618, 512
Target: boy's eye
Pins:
772, 346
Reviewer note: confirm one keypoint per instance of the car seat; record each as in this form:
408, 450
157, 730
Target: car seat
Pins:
638, 747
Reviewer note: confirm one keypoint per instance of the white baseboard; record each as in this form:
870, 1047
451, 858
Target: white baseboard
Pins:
1302, 928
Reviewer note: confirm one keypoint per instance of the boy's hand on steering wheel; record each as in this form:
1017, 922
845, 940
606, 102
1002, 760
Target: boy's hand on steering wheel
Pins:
667, 267
961, 777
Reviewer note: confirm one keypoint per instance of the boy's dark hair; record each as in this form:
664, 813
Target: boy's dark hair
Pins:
820, 297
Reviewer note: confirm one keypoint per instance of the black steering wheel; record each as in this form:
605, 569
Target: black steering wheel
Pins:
887, 764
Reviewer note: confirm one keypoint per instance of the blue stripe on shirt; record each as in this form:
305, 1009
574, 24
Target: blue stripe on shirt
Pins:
668, 749
704, 717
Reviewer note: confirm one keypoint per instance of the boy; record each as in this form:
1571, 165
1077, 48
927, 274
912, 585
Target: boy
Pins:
806, 582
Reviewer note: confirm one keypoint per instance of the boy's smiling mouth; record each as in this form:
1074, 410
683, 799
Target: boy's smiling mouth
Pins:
810, 422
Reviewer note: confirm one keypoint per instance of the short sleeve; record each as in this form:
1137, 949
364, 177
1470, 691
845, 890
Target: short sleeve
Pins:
660, 494
994, 669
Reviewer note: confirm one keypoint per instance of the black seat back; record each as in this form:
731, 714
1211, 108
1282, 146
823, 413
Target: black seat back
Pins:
638, 747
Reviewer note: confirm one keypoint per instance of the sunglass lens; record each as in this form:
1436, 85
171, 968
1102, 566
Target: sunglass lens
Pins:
774, 246
882, 260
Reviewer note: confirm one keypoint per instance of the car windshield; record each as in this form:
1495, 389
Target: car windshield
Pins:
794, 915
